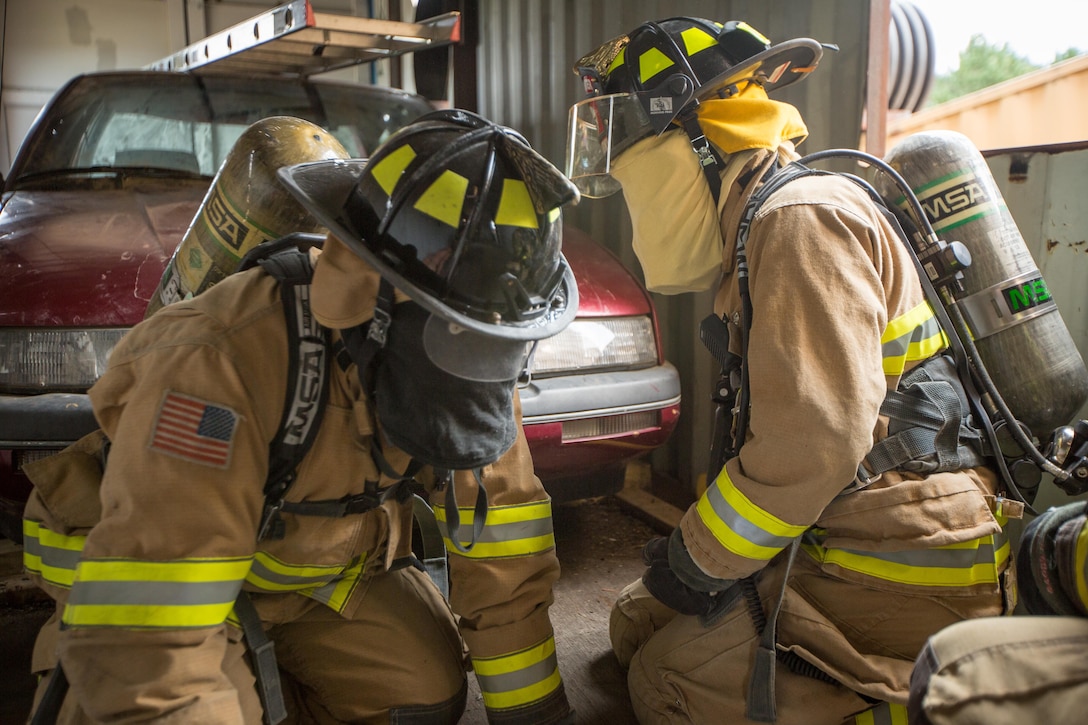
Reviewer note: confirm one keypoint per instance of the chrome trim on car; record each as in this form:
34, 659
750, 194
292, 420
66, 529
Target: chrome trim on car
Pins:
553, 400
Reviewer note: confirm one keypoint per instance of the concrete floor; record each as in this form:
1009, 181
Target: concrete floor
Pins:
599, 542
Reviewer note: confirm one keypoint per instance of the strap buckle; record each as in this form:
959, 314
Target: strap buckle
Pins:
862, 479
378, 329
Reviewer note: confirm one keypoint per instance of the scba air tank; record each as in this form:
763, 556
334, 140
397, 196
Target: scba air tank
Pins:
245, 205
1014, 321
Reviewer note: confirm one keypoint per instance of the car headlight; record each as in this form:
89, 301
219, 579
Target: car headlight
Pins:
37, 360
597, 343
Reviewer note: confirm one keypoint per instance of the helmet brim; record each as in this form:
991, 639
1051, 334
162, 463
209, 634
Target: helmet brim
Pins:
323, 187
775, 68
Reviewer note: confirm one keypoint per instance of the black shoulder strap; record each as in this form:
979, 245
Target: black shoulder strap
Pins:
776, 179
307, 380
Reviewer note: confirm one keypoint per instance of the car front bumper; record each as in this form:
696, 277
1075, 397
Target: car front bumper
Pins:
50, 420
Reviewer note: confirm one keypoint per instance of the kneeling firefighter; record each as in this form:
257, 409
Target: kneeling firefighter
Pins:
399, 363
802, 584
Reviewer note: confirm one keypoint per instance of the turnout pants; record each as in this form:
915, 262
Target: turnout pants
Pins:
680, 671
1022, 669
400, 658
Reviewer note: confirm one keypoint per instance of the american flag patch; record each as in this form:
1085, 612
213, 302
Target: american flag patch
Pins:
194, 430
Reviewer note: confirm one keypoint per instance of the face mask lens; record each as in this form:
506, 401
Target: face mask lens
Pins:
601, 128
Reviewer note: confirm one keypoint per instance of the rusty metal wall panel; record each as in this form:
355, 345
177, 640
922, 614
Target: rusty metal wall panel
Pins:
526, 52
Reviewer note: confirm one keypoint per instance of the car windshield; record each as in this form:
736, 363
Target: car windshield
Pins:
183, 125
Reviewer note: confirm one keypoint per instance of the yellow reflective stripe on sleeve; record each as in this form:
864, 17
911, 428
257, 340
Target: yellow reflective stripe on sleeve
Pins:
739, 525
886, 713
518, 530
1081, 565
145, 594
50, 555
520, 678
957, 565
911, 337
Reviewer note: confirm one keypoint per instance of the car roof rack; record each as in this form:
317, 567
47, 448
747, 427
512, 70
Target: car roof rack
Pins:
293, 40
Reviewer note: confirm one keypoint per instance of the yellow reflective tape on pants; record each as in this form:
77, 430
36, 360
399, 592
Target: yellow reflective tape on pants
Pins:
330, 585
739, 525
172, 594
274, 575
520, 530
520, 678
50, 555
958, 565
1080, 564
886, 713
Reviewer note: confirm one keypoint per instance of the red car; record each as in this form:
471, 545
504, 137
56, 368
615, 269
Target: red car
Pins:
105, 186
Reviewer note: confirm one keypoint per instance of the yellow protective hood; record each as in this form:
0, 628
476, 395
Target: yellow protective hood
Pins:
750, 120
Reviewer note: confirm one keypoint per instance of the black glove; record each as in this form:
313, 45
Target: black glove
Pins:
677, 582
1046, 566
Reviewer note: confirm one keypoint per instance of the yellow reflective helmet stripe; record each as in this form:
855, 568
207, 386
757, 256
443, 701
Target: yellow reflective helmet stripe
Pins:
912, 336
696, 39
444, 198
516, 206
965, 564
387, 171
741, 526
754, 33
886, 713
652, 62
520, 678
156, 595
519, 530
50, 555
617, 61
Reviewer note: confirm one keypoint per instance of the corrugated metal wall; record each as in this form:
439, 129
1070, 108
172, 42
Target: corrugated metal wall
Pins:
526, 52
1043, 187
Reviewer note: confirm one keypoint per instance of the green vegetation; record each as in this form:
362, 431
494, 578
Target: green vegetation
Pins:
982, 65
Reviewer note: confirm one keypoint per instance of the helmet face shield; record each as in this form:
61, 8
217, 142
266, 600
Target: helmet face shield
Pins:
602, 128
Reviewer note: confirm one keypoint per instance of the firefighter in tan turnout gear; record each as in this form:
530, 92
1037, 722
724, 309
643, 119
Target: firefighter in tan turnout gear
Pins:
441, 267
1026, 669
800, 587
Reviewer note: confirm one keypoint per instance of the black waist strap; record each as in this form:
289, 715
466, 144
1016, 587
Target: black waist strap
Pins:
263, 657
930, 426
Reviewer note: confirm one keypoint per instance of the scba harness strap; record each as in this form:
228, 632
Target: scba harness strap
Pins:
288, 260
930, 424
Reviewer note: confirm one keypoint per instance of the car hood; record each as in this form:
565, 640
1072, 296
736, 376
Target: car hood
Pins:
88, 259
605, 287
93, 259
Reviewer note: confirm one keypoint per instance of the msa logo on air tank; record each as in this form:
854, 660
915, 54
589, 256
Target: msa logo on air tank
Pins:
951, 197
1026, 295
